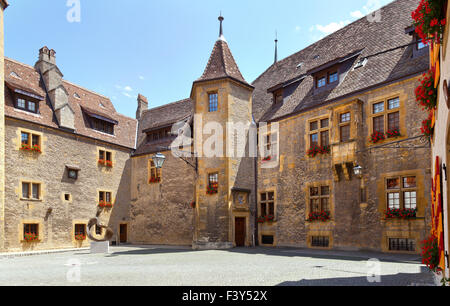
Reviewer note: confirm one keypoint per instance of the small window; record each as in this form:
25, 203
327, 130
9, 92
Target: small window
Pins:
29, 106
267, 204
266, 239
213, 102
67, 197
401, 192
80, 229
345, 117
320, 241
30, 232
278, 97
31, 191
321, 82
378, 108
399, 244
21, 103
72, 173
333, 77
344, 127
393, 103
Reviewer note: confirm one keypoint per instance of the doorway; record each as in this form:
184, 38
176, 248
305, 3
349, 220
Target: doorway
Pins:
240, 231
123, 233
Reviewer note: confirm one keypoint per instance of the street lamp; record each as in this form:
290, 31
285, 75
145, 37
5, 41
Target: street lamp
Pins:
358, 170
159, 160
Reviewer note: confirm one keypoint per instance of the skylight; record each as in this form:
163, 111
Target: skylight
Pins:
15, 75
361, 63
77, 96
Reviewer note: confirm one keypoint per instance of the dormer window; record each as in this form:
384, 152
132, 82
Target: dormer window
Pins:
25, 104
76, 96
99, 121
278, 97
333, 77
321, 82
15, 75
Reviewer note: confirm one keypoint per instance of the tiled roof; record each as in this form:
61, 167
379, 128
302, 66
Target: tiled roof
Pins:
160, 117
372, 37
221, 64
29, 78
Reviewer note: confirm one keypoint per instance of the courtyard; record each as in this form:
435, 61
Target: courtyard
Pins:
181, 266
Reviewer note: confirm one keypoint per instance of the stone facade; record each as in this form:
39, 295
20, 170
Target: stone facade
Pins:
2, 128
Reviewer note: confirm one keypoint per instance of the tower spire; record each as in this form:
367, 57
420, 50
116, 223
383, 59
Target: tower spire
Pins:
221, 28
276, 47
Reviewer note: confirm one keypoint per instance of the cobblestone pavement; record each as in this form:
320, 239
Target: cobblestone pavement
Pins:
178, 266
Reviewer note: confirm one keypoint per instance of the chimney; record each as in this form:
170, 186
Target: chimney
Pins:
142, 106
53, 80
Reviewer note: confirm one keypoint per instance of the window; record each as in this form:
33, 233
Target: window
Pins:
30, 229
344, 127
278, 97
270, 146
402, 192
333, 77
31, 191
80, 229
102, 126
105, 196
321, 82
105, 157
386, 115
29, 106
213, 180
30, 140
319, 199
267, 204
319, 134
400, 244
72, 174
266, 239
154, 174
213, 102
320, 241
67, 197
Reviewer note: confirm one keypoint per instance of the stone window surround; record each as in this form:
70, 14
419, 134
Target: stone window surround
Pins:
385, 113
215, 106
401, 190
30, 137
308, 198
74, 224
269, 147
29, 221
104, 192
319, 130
320, 233
344, 124
266, 191
153, 171
31, 183
102, 149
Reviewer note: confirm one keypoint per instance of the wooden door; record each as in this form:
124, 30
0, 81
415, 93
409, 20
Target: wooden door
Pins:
123, 233
240, 232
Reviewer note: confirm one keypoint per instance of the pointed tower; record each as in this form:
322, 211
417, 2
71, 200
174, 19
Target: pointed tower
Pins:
225, 183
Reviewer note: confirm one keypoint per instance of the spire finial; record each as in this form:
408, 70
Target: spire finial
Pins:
221, 20
276, 47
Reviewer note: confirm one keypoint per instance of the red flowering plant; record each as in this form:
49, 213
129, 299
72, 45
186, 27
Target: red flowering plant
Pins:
25, 147
30, 237
393, 133
426, 93
261, 219
267, 158
319, 216
426, 129
429, 19
270, 218
108, 163
213, 188
316, 149
101, 161
102, 204
154, 180
108, 205
430, 254
80, 237
192, 204
36, 148
376, 137
408, 213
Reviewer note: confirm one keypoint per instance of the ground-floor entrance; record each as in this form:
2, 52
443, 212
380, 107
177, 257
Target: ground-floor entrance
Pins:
240, 231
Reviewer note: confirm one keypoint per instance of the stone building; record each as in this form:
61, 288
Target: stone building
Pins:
67, 156
441, 145
343, 104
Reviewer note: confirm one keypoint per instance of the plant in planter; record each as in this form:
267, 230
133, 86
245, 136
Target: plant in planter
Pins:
80, 237
315, 150
30, 237
429, 19
261, 220
426, 128
192, 204
212, 189
393, 133
37, 148
108, 163
101, 161
426, 93
154, 180
270, 218
401, 213
377, 137
108, 205
102, 204
430, 254
25, 147
319, 216
268, 158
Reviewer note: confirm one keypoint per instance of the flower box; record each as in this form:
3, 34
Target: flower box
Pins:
401, 213
270, 218
101, 162
30, 237
29, 148
80, 237
315, 150
266, 159
319, 216
261, 220
377, 137
393, 133
108, 163
104, 204
212, 189
154, 180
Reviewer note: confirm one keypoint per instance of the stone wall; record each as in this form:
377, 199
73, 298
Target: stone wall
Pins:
55, 215
2, 132
160, 213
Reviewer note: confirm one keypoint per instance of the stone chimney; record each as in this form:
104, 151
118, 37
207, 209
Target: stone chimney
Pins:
53, 80
142, 106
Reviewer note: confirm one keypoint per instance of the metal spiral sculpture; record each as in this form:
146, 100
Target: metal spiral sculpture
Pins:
108, 232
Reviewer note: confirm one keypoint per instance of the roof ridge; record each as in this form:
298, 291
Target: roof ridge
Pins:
166, 105
88, 90
20, 63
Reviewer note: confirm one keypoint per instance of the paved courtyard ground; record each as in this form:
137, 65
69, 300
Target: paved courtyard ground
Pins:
177, 266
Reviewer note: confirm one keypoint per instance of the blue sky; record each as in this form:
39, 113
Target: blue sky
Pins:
158, 48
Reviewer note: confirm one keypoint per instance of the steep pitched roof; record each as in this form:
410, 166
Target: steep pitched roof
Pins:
221, 64
365, 35
25, 77
160, 117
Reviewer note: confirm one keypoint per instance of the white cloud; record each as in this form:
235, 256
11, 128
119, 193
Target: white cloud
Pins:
332, 27
357, 14
128, 88
141, 77
128, 95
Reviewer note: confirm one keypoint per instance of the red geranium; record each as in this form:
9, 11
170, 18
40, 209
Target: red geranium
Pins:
429, 20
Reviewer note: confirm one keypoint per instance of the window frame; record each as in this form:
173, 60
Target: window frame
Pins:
319, 197
345, 124
319, 131
30, 191
27, 103
267, 205
213, 105
401, 191
153, 172
385, 113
